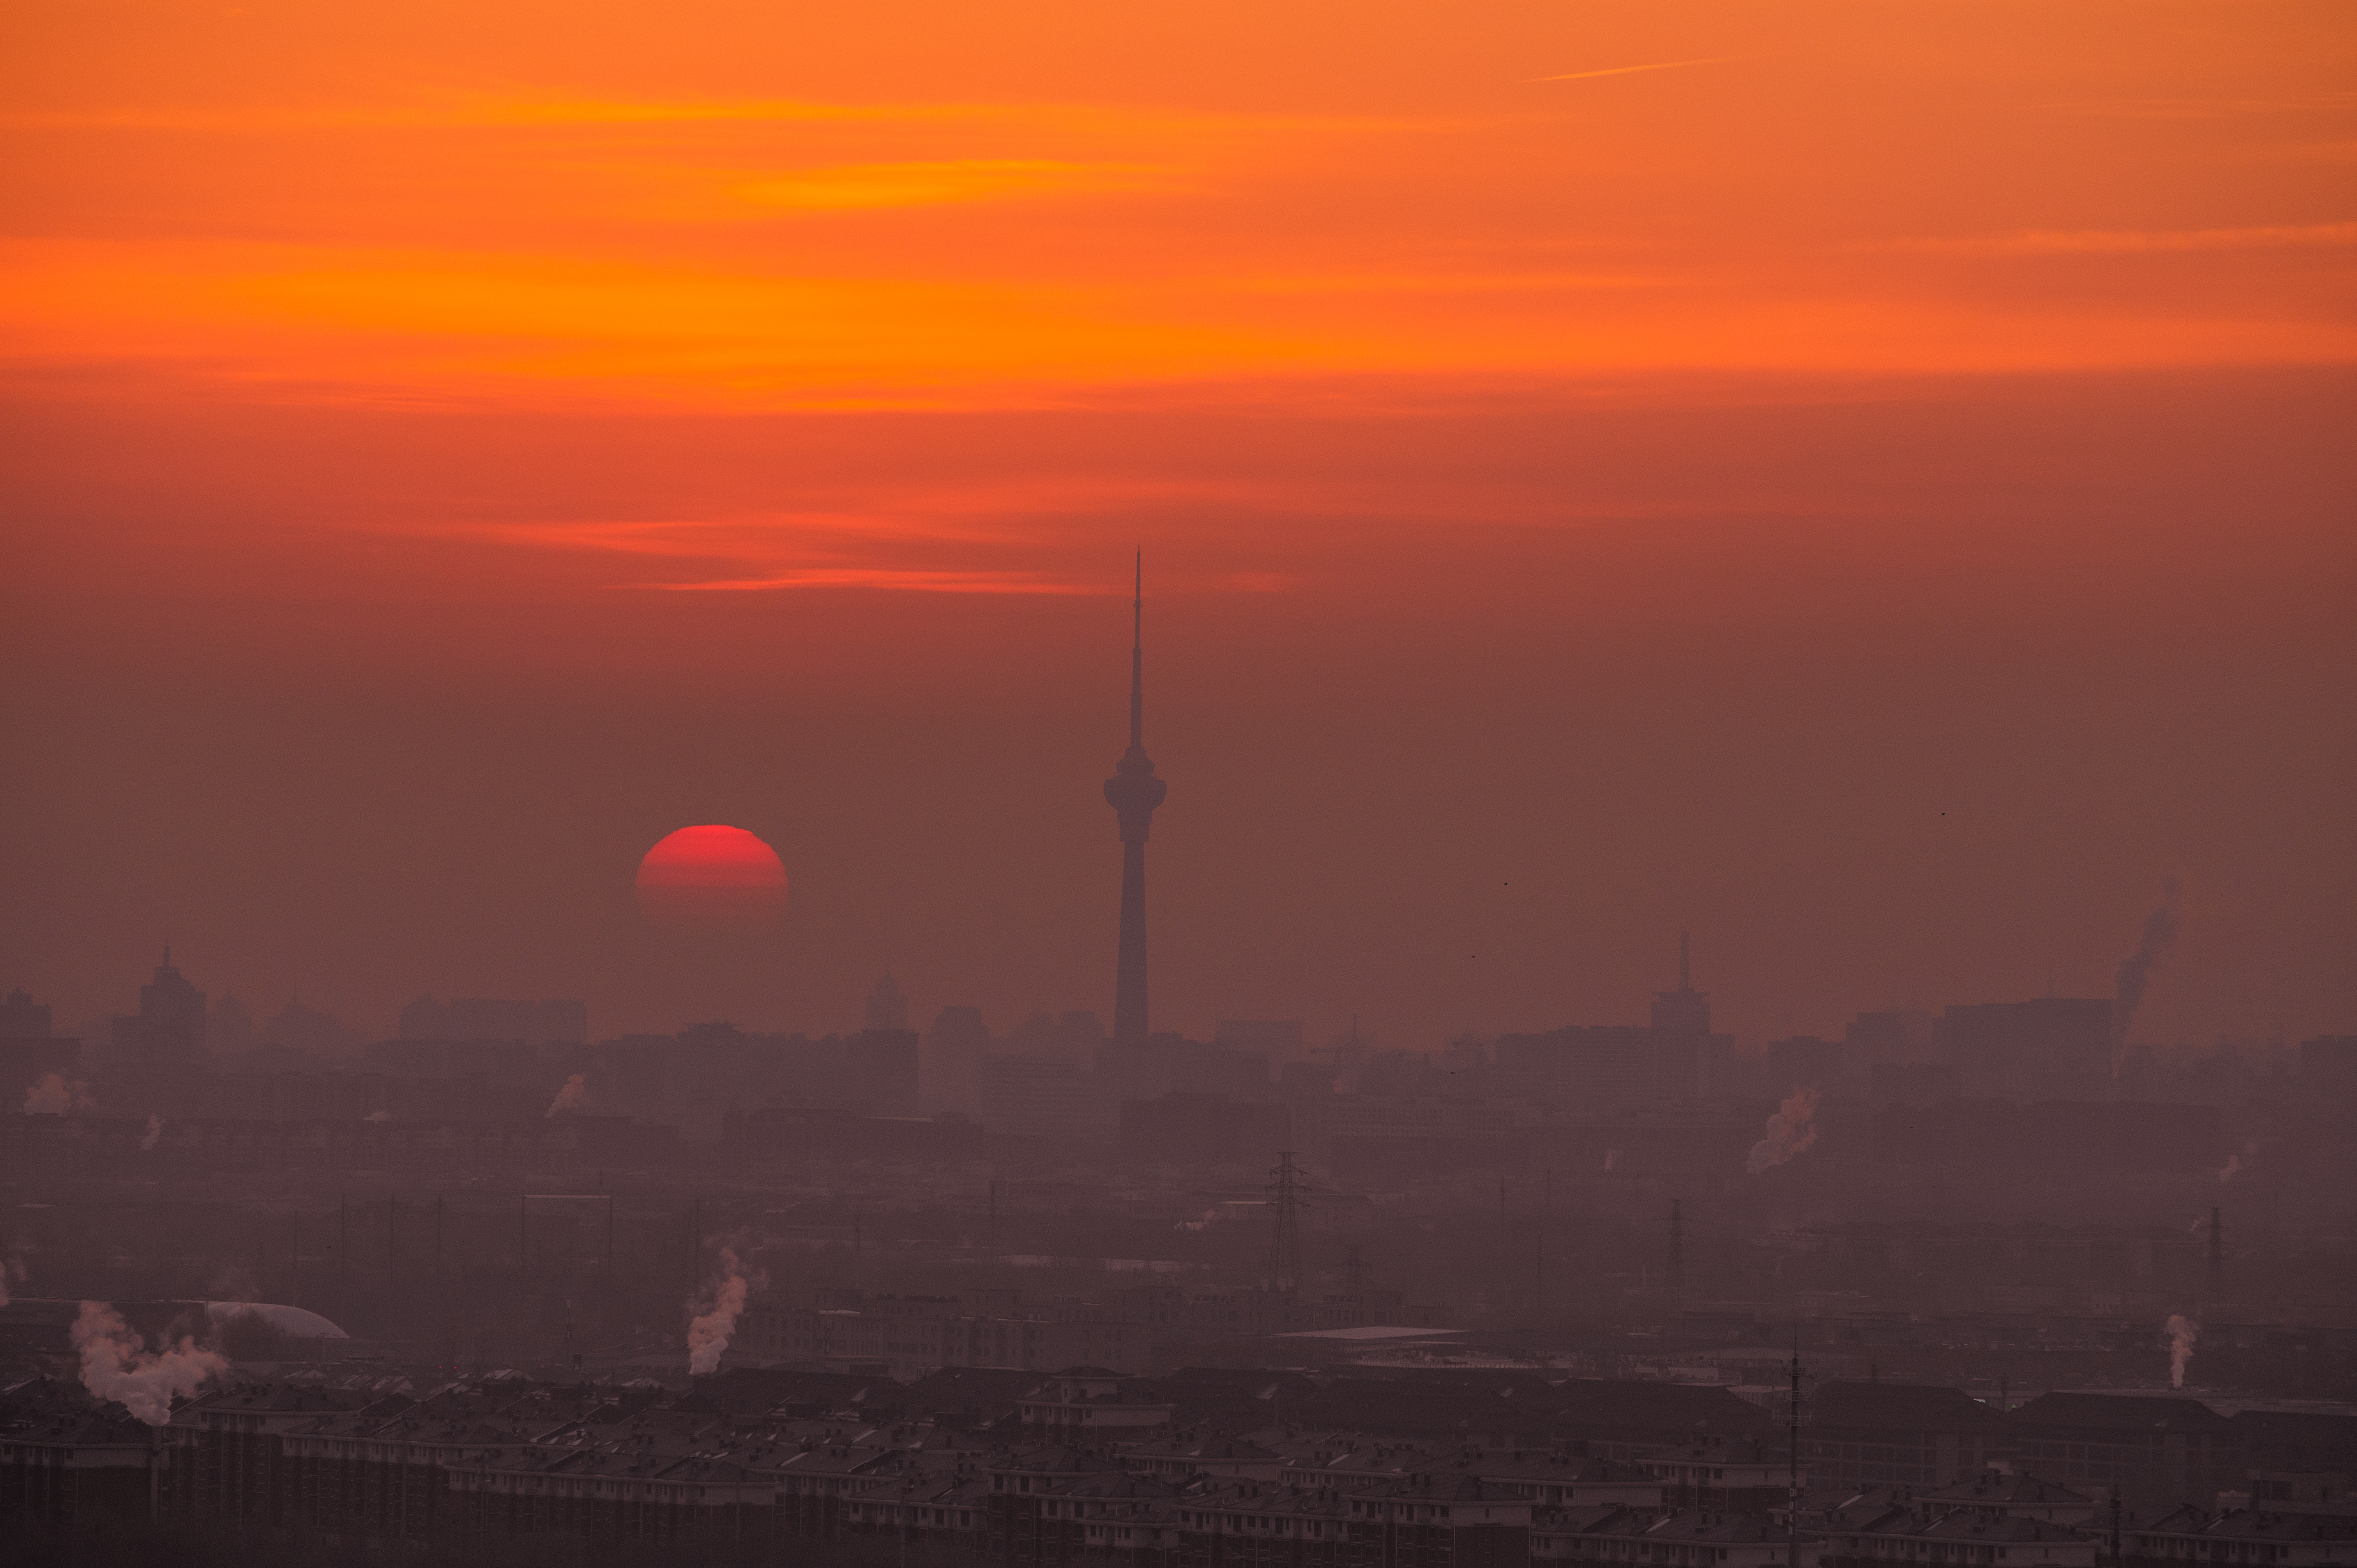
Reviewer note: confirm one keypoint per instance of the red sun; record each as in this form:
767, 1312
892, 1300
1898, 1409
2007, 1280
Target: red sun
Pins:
712, 875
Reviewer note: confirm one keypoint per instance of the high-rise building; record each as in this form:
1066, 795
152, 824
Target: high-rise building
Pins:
1278, 1039
880, 1071
887, 1005
1685, 1011
230, 1027
952, 1062
22, 1018
169, 1027
1134, 792
2054, 1045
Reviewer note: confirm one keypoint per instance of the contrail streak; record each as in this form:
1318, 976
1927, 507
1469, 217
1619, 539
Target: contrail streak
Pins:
1633, 69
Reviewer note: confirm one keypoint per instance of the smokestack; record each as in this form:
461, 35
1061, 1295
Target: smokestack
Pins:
2158, 935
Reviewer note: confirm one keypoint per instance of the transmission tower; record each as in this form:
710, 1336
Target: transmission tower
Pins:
1284, 1234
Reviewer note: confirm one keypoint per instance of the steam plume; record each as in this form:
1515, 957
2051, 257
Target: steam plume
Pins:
2182, 1332
53, 1096
1791, 1130
573, 1096
378, 1116
154, 1131
717, 1309
117, 1365
2227, 1172
2159, 936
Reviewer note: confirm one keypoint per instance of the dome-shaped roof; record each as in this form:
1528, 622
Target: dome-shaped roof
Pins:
295, 1322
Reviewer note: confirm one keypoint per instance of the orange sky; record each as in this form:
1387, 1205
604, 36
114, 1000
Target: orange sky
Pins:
469, 362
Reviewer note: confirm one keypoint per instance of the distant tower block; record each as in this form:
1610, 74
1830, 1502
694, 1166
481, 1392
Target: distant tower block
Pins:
887, 1005
1133, 792
1285, 1274
1685, 1011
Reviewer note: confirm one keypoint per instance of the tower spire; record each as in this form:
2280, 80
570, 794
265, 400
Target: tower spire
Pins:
1138, 660
1134, 792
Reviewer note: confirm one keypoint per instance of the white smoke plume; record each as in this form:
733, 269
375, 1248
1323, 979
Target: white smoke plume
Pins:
717, 1309
1791, 1130
2182, 1332
51, 1095
573, 1096
117, 1365
2160, 935
2233, 1165
154, 1131
1612, 1159
378, 1116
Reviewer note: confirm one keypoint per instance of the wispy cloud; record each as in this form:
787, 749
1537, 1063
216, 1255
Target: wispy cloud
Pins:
1634, 70
890, 578
526, 110
810, 549
2219, 108
947, 181
2135, 242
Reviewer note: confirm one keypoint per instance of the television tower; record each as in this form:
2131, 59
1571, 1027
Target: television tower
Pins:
1133, 792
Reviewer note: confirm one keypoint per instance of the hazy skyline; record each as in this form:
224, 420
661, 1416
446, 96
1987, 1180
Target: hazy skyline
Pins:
1872, 492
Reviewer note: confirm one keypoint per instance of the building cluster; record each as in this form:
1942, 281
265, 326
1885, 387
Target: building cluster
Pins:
1207, 1467
2023, 1088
